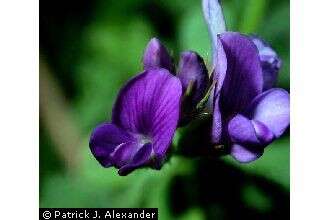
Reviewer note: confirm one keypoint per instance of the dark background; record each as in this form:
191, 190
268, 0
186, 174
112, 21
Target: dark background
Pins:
89, 49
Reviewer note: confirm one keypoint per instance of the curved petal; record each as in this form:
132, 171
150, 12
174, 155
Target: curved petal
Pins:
149, 105
104, 140
215, 22
241, 130
220, 68
264, 134
243, 79
272, 108
157, 56
216, 129
270, 62
248, 132
123, 153
243, 154
218, 77
141, 158
192, 70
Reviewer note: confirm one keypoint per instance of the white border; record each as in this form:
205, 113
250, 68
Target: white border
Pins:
310, 109
19, 175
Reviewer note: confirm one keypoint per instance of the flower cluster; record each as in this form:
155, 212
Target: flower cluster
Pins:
247, 112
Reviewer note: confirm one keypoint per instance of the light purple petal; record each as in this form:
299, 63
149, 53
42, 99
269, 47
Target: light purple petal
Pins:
243, 79
245, 155
193, 70
248, 132
216, 129
241, 130
157, 56
104, 139
149, 105
220, 68
218, 76
141, 158
270, 62
272, 108
264, 134
215, 22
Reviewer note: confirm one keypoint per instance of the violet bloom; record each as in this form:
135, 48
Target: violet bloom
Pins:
147, 110
247, 113
144, 119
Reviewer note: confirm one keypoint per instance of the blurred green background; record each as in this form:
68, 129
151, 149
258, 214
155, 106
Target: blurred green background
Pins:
89, 49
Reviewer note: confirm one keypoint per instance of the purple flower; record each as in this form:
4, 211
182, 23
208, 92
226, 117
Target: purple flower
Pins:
147, 111
247, 113
144, 119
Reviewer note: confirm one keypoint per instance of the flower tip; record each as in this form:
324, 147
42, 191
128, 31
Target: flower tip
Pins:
156, 56
154, 43
189, 55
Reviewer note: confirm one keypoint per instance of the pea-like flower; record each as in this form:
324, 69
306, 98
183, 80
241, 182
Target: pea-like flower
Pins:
144, 119
248, 114
147, 111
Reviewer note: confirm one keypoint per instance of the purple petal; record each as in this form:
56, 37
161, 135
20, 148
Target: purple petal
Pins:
248, 132
149, 105
270, 62
215, 22
220, 68
243, 79
216, 129
218, 76
245, 155
123, 153
141, 158
264, 134
272, 108
193, 70
241, 130
104, 139
156, 56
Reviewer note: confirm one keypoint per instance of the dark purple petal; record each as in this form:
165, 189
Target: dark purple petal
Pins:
123, 153
244, 154
215, 22
104, 139
272, 108
149, 105
270, 62
243, 79
157, 56
218, 77
193, 70
141, 158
